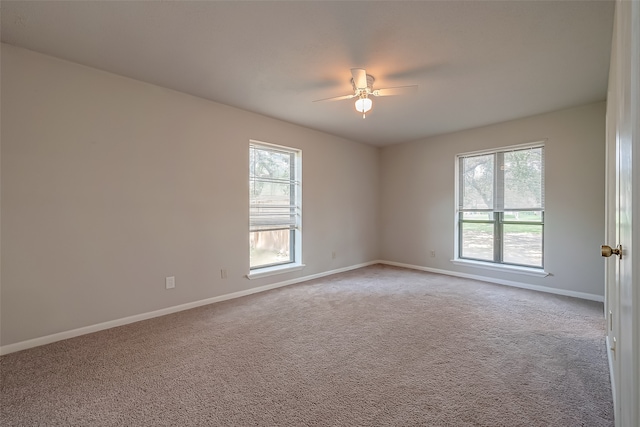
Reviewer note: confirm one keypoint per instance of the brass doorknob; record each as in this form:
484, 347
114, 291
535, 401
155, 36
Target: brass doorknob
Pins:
607, 251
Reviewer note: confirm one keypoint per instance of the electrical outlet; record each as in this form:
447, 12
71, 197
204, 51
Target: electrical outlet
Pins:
170, 282
223, 273
333, 255
433, 254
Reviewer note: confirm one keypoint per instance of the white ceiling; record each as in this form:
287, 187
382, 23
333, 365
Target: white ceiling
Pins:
476, 62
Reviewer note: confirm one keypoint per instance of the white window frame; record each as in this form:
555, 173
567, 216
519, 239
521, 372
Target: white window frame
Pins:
486, 264
296, 263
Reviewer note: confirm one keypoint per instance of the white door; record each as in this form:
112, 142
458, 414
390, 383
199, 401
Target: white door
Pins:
623, 201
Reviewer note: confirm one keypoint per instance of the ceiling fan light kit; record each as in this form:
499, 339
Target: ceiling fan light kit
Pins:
362, 84
363, 105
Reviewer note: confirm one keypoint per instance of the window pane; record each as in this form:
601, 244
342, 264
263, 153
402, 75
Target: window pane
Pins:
523, 179
270, 247
531, 216
272, 193
478, 216
522, 244
477, 182
477, 241
265, 163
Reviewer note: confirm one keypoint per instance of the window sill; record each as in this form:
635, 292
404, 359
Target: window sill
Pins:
272, 271
502, 268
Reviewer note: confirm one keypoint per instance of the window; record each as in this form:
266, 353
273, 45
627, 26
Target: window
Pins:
274, 207
501, 206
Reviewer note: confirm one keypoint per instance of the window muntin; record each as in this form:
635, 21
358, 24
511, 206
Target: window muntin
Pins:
501, 206
274, 205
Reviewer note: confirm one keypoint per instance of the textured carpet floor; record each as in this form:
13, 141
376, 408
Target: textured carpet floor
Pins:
375, 346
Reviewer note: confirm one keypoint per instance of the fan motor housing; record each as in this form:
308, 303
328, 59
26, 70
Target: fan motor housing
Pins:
370, 80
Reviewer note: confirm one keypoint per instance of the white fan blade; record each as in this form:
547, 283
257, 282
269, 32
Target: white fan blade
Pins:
399, 90
336, 98
359, 78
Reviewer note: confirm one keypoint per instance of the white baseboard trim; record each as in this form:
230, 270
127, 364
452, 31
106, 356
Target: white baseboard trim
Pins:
575, 294
611, 375
48, 339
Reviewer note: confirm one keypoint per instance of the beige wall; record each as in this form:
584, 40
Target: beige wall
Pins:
417, 197
110, 184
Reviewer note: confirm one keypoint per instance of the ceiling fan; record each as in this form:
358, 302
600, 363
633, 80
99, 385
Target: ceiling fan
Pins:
363, 88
